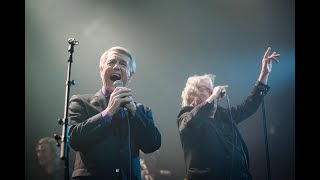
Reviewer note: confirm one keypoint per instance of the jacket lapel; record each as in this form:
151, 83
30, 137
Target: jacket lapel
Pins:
101, 100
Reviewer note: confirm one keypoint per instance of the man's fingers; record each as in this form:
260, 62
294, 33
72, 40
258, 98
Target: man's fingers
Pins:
276, 59
266, 53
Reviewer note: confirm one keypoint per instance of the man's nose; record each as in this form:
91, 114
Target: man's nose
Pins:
117, 66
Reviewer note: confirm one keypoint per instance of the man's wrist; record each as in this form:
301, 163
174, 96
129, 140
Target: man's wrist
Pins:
106, 117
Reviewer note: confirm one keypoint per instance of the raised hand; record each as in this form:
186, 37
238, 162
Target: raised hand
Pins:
267, 60
267, 65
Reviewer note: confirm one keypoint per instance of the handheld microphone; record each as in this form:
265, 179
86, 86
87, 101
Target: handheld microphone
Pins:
117, 83
223, 92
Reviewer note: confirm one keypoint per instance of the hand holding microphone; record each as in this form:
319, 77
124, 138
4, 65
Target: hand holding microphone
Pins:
128, 101
222, 94
218, 93
221, 91
119, 97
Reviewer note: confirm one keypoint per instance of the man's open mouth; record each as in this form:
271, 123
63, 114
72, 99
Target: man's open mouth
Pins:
115, 76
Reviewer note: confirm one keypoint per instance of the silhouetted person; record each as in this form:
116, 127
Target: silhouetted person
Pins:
48, 156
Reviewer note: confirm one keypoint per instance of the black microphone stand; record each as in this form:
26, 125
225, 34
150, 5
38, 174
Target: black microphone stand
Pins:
266, 137
64, 151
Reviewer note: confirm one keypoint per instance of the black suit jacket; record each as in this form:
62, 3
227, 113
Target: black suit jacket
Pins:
207, 153
102, 150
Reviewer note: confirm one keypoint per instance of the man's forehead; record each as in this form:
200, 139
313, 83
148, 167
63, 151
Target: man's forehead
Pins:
117, 55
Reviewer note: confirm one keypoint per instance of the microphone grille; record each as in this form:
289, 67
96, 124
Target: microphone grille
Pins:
118, 83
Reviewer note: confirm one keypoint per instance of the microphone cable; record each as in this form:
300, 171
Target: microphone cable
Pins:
234, 134
234, 137
129, 140
118, 83
266, 137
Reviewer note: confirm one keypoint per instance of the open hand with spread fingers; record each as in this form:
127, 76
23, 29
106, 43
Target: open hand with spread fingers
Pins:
267, 60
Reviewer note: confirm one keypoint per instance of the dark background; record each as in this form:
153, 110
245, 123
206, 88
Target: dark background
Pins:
171, 40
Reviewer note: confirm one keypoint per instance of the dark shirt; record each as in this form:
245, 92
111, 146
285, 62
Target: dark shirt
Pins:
238, 155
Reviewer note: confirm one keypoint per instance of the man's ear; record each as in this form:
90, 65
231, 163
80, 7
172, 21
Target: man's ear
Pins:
129, 80
101, 69
130, 77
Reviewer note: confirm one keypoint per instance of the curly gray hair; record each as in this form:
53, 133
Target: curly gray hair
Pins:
191, 89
